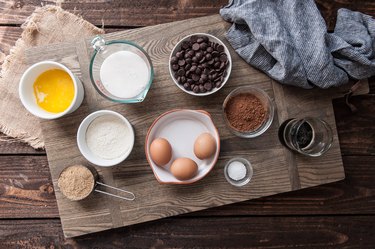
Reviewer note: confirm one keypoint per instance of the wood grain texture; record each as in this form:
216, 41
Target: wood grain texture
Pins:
227, 232
143, 12
26, 189
34, 198
156, 201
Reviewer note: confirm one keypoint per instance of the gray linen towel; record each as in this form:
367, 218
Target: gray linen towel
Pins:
288, 40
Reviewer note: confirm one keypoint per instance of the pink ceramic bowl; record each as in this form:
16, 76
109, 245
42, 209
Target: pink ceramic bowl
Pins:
181, 127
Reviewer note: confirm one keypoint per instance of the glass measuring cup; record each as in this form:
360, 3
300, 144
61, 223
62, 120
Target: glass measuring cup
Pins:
104, 50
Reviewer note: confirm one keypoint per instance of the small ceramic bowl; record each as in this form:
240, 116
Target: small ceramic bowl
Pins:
213, 39
84, 149
26, 90
181, 128
265, 100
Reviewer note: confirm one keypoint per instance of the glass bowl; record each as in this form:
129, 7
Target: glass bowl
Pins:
245, 180
211, 38
265, 100
102, 50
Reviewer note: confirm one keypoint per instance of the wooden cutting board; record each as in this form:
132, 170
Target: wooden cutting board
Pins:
276, 170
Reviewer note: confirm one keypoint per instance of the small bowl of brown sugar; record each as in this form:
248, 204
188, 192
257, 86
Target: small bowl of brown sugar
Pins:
248, 111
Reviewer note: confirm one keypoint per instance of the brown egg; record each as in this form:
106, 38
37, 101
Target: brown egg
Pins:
184, 168
204, 146
160, 151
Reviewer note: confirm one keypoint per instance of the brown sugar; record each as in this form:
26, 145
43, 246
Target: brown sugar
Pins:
76, 182
245, 112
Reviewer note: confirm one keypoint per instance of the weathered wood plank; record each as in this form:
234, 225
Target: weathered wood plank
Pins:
356, 130
26, 189
117, 12
227, 232
143, 12
8, 37
26, 192
328, 8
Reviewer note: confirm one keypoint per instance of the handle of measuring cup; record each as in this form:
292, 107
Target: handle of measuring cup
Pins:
113, 195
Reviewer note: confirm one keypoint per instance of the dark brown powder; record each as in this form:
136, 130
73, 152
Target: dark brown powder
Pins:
245, 112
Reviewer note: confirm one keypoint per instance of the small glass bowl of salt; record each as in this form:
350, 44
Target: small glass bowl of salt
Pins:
238, 171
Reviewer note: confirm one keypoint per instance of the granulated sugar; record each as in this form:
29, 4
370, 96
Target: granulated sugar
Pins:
76, 182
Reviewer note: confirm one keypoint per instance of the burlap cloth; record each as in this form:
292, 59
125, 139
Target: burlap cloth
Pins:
48, 24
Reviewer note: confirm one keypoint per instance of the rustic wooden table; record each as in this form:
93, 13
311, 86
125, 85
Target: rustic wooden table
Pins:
341, 214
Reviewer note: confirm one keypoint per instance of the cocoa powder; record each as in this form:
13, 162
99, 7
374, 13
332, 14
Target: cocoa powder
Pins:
245, 112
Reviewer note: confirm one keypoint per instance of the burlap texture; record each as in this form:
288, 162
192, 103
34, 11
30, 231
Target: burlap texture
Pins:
47, 25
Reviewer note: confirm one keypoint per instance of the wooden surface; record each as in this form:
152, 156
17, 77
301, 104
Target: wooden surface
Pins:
337, 215
276, 169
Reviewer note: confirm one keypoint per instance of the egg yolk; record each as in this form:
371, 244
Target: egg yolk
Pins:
54, 90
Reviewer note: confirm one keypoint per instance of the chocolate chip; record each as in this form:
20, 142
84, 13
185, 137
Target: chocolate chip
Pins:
208, 57
175, 67
180, 55
217, 64
193, 38
215, 54
187, 86
174, 60
188, 61
193, 68
181, 72
198, 71
196, 89
187, 67
185, 45
195, 77
208, 86
200, 40
203, 46
223, 58
194, 59
220, 48
183, 79
202, 89
181, 62
190, 81
211, 62
196, 47
209, 49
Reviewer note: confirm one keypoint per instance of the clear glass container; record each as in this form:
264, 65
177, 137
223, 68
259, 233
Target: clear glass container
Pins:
267, 104
102, 50
308, 136
243, 181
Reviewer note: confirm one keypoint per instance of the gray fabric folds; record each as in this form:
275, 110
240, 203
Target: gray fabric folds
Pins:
288, 40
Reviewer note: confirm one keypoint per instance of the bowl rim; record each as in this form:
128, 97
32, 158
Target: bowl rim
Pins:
81, 130
26, 104
185, 181
124, 101
261, 129
229, 71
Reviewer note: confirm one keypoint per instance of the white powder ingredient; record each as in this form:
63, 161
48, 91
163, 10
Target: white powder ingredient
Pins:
236, 170
108, 137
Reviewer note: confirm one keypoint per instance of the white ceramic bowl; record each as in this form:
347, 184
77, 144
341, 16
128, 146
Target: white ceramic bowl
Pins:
213, 39
181, 128
27, 96
84, 149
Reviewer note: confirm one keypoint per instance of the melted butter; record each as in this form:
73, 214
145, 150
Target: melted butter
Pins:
54, 90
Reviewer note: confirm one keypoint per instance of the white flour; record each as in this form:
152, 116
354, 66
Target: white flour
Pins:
108, 137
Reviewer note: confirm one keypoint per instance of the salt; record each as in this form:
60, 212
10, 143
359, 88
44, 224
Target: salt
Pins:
237, 170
